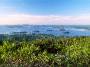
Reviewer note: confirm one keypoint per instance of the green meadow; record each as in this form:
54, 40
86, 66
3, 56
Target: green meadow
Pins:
45, 51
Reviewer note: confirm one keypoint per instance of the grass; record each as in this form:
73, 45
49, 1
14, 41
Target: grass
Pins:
45, 51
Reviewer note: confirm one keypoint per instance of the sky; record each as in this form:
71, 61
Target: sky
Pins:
43, 12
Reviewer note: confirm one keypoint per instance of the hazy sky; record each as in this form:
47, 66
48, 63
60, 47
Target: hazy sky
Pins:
45, 12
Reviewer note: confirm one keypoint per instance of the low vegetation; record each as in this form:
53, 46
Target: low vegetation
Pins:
45, 51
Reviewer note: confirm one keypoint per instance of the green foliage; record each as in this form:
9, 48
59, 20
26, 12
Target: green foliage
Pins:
46, 52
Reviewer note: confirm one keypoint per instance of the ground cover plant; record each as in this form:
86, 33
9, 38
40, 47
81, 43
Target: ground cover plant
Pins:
45, 51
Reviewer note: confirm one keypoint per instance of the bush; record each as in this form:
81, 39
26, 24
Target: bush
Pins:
46, 52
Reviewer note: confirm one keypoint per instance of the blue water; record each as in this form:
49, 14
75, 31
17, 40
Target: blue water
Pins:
58, 30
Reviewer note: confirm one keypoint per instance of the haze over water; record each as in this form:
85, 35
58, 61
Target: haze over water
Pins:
57, 30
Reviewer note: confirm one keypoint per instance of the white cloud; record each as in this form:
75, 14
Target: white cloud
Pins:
17, 18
